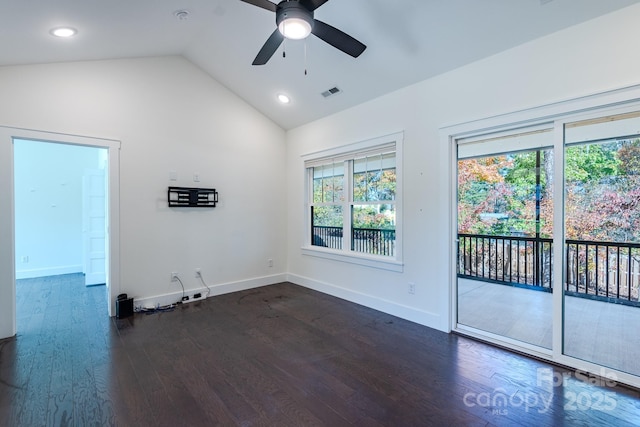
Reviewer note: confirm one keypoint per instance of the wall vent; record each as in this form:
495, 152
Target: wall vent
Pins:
333, 91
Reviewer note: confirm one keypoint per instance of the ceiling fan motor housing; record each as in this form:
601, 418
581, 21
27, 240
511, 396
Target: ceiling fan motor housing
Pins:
293, 9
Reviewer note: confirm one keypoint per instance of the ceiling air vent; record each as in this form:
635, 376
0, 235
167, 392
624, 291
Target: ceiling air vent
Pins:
333, 91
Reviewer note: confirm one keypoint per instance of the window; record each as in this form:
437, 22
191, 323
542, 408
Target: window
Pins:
354, 201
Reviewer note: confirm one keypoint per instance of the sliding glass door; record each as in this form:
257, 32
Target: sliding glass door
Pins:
547, 236
602, 241
504, 237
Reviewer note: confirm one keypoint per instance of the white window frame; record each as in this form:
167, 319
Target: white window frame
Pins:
343, 153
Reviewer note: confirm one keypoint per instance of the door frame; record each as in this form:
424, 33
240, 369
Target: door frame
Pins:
7, 215
592, 106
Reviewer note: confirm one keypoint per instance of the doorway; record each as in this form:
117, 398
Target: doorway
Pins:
60, 224
13, 260
60, 221
546, 258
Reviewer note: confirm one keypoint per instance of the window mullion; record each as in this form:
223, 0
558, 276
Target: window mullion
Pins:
347, 206
308, 239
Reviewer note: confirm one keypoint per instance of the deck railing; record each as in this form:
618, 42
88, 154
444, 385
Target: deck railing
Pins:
520, 261
365, 240
329, 237
373, 241
603, 270
608, 271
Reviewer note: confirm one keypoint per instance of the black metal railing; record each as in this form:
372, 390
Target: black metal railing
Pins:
329, 237
373, 241
603, 270
524, 261
608, 271
366, 240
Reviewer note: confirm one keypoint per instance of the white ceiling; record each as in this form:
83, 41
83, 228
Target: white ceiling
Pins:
407, 41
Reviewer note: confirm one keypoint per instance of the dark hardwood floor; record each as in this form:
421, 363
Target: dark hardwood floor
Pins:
281, 355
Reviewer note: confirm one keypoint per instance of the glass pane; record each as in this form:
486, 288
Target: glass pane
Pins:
373, 230
504, 244
374, 178
317, 190
328, 183
502, 195
602, 242
360, 187
326, 227
338, 188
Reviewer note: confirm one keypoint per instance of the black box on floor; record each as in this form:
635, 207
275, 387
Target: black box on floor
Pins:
124, 306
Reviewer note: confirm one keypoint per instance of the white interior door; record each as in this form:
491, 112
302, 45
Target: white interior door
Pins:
94, 226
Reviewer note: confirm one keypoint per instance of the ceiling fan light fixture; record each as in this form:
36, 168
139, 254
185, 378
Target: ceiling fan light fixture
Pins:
295, 28
294, 20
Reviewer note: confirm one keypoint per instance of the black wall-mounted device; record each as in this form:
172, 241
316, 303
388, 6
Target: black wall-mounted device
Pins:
192, 197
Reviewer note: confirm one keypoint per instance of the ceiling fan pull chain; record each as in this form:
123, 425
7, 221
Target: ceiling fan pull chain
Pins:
305, 57
284, 42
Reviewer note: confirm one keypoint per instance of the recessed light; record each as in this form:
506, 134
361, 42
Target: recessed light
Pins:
284, 98
63, 32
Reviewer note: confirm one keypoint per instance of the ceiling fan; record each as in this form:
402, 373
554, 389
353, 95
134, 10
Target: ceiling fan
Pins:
295, 20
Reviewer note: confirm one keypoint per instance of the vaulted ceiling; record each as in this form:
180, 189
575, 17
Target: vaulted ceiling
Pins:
407, 41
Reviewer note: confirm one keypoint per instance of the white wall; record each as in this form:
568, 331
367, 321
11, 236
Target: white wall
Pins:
589, 58
169, 116
48, 206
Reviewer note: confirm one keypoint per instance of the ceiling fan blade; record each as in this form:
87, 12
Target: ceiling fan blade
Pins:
338, 39
269, 48
265, 4
312, 4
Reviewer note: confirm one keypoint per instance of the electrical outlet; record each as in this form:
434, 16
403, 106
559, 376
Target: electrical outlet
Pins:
198, 272
412, 288
174, 276
270, 262
195, 297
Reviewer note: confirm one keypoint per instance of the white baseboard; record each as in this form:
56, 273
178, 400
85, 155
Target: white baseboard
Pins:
412, 314
219, 289
409, 313
48, 271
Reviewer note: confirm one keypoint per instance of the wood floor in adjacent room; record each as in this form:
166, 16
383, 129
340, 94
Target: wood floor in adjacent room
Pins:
281, 355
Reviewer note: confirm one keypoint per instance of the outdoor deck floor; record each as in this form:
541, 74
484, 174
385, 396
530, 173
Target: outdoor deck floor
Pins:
595, 331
